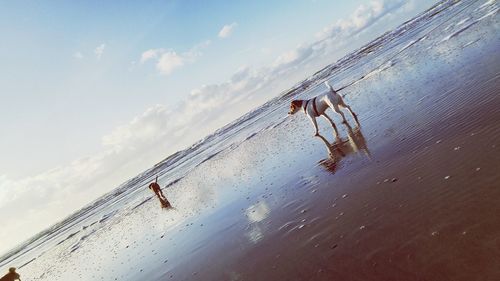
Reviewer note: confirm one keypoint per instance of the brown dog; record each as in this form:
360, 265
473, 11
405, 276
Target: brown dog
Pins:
155, 187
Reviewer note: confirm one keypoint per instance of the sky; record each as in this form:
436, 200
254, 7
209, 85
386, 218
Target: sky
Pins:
94, 92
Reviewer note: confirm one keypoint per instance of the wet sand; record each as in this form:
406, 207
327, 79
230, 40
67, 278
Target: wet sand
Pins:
412, 195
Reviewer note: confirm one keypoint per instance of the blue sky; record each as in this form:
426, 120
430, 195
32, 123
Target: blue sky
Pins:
89, 85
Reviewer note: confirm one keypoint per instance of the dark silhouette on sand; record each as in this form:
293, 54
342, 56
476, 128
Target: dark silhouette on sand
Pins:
11, 276
155, 187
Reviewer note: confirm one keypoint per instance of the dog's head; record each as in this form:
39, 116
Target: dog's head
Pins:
295, 106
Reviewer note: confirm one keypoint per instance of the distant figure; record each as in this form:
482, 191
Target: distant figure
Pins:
155, 187
11, 276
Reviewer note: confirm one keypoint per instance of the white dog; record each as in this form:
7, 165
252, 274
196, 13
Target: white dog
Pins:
316, 107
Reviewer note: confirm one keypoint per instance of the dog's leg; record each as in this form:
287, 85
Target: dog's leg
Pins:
335, 107
352, 112
333, 125
313, 120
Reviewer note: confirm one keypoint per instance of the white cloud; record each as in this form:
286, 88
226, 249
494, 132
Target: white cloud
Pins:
147, 127
342, 36
227, 30
78, 55
168, 60
99, 50
150, 54
362, 17
196, 51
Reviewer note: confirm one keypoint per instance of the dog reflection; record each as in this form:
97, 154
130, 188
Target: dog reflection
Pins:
340, 148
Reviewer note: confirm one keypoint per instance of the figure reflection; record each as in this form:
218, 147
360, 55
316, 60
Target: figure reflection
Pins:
340, 148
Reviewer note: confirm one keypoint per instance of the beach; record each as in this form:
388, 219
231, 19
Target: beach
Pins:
410, 194
417, 201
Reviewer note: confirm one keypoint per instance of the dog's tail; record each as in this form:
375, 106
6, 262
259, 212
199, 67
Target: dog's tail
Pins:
329, 87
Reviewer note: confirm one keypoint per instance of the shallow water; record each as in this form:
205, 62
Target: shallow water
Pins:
411, 195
